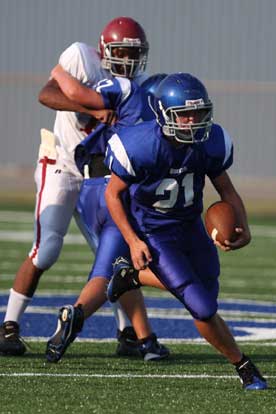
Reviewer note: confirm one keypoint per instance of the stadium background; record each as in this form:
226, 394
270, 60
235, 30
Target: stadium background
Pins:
230, 45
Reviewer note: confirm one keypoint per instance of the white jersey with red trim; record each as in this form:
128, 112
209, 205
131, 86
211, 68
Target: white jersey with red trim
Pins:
84, 63
59, 181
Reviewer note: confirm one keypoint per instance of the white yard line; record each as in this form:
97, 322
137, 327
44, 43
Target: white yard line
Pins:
166, 313
173, 341
149, 376
158, 295
71, 256
55, 279
27, 218
16, 217
27, 236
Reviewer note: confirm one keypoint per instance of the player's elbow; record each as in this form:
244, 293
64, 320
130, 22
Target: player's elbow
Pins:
42, 97
47, 95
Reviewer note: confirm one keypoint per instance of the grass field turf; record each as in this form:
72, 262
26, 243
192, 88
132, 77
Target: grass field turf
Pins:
91, 379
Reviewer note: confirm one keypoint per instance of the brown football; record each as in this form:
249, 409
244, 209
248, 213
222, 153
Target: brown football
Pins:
220, 222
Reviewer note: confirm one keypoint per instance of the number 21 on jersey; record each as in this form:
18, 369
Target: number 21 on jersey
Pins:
171, 188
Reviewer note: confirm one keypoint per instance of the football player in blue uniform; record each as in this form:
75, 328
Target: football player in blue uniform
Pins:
124, 96
163, 164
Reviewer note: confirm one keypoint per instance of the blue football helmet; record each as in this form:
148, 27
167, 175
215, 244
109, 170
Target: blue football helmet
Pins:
148, 89
183, 109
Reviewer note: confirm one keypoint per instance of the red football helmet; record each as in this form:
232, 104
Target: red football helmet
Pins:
123, 47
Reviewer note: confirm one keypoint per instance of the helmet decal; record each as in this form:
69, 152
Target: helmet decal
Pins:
148, 89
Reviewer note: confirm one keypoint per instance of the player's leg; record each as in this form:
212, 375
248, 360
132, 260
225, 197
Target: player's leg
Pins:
192, 278
126, 278
205, 269
217, 333
204, 260
90, 214
110, 245
87, 221
57, 193
202, 304
147, 277
92, 296
94, 220
71, 318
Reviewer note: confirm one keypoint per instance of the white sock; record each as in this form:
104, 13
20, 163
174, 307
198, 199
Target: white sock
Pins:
16, 306
120, 316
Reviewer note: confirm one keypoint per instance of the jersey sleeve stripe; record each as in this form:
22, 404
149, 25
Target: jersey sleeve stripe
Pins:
228, 145
120, 154
125, 85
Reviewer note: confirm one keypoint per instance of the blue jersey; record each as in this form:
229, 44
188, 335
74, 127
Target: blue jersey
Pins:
124, 97
166, 183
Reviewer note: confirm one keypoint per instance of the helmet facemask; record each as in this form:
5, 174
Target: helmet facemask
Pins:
178, 125
125, 58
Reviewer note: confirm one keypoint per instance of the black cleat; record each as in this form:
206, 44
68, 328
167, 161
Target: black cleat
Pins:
250, 376
124, 278
127, 343
152, 350
149, 348
10, 341
70, 323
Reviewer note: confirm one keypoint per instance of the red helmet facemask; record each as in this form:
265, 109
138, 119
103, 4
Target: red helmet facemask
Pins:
123, 47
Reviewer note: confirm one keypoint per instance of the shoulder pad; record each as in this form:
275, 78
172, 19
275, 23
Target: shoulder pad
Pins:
219, 144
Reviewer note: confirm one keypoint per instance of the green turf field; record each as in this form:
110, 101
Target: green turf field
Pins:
92, 380
249, 273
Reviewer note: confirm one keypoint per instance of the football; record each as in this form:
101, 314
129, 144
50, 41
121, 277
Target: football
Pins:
220, 222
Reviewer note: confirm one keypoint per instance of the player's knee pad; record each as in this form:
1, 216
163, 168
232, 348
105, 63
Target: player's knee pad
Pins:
201, 303
47, 252
203, 313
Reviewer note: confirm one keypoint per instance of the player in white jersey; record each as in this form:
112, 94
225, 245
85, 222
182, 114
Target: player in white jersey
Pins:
123, 50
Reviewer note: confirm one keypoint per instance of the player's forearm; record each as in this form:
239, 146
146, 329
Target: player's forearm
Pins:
75, 90
241, 216
228, 193
119, 216
139, 251
52, 97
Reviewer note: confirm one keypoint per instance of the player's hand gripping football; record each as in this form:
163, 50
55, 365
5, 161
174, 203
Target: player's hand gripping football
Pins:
242, 238
221, 225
